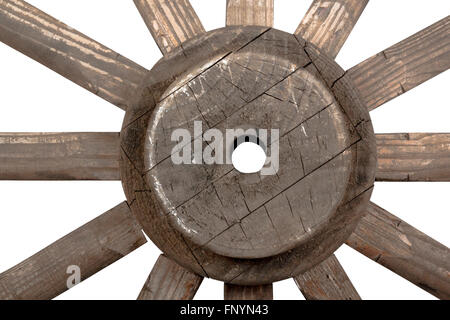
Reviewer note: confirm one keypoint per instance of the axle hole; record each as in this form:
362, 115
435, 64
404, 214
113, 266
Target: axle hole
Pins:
248, 157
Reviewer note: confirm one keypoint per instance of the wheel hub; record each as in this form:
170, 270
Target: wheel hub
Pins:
240, 84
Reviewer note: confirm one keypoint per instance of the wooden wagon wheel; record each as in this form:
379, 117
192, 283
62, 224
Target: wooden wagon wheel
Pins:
210, 220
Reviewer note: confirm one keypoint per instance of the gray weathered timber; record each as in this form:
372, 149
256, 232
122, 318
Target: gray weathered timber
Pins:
92, 247
59, 156
238, 215
250, 13
403, 66
261, 78
327, 281
413, 157
171, 22
404, 250
328, 24
235, 292
68, 52
169, 281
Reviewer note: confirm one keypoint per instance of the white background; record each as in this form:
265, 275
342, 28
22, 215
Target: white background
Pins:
33, 99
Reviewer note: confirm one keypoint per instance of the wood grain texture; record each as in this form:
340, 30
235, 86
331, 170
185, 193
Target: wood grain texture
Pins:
250, 13
169, 281
327, 281
171, 22
59, 156
92, 247
413, 157
328, 23
235, 292
404, 250
403, 66
192, 73
238, 215
68, 52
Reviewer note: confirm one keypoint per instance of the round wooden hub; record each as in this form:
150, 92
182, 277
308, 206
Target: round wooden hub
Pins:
178, 137
250, 215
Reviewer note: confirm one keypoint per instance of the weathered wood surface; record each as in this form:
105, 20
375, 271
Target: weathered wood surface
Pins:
260, 72
169, 281
68, 52
238, 215
328, 24
171, 22
404, 250
92, 247
413, 157
59, 156
403, 66
327, 281
235, 292
250, 13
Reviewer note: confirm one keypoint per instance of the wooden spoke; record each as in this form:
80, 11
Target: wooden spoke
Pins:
169, 281
413, 157
327, 281
88, 250
328, 24
59, 156
235, 292
406, 251
171, 22
250, 13
404, 66
68, 52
